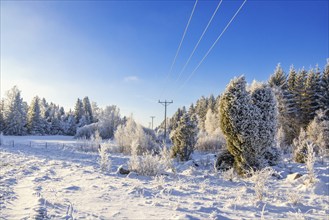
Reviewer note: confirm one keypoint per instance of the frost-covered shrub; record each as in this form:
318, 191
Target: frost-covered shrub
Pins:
260, 179
210, 143
104, 162
225, 160
184, 138
108, 121
310, 160
300, 147
248, 121
146, 164
132, 138
318, 131
165, 158
86, 131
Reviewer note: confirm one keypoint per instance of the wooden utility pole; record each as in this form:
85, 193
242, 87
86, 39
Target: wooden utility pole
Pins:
165, 104
152, 121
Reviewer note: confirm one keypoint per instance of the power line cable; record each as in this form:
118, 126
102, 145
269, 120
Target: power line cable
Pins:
213, 45
197, 44
180, 45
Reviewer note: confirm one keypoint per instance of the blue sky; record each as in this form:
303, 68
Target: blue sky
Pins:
120, 52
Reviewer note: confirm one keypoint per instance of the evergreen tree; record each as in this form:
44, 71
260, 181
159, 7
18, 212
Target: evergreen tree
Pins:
211, 104
324, 87
79, 113
278, 78
173, 122
242, 119
263, 98
201, 109
312, 96
34, 121
211, 122
2, 122
301, 99
184, 138
45, 116
87, 110
14, 113
69, 125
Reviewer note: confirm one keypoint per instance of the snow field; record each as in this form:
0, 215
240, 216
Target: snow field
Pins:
66, 183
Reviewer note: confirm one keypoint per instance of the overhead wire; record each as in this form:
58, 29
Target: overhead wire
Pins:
180, 45
197, 44
213, 45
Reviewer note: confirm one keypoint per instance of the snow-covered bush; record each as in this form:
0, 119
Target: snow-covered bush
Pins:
300, 147
184, 138
248, 121
260, 179
165, 158
86, 131
104, 162
108, 121
132, 138
210, 142
146, 164
310, 160
225, 160
318, 132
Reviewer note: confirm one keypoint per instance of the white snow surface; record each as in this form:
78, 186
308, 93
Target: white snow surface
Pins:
59, 181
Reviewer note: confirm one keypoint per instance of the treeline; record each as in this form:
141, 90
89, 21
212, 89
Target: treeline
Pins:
17, 117
300, 95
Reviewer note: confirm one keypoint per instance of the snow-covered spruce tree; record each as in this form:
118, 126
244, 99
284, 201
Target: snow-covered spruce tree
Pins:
87, 110
79, 114
34, 122
184, 138
285, 105
2, 122
14, 113
263, 98
324, 86
201, 108
242, 119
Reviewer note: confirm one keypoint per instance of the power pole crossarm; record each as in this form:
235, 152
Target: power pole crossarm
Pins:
165, 104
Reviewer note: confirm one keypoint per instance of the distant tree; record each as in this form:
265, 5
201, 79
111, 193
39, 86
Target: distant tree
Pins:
173, 122
34, 121
14, 113
201, 108
133, 139
324, 86
45, 116
79, 113
278, 78
87, 110
312, 95
211, 122
184, 138
211, 104
69, 125
2, 121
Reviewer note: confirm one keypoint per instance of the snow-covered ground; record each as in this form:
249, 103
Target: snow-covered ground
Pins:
59, 181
